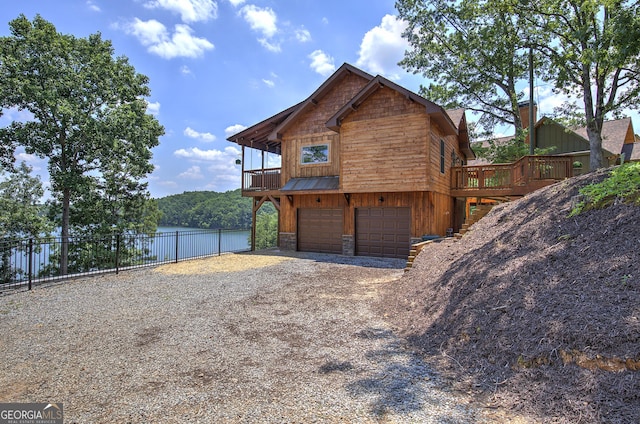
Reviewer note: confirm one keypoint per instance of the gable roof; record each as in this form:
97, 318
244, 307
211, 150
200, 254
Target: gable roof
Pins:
614, 134
436, 112
313, 99
265, 135
257, 136
459, 119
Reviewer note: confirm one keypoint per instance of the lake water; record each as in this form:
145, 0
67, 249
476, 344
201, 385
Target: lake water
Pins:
168, 245
195, 242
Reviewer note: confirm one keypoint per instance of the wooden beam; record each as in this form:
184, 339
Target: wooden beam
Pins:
275, 201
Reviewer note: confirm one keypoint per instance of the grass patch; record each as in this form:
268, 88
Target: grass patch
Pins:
622, 185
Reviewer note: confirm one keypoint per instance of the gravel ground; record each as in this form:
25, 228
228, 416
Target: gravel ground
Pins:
253, 338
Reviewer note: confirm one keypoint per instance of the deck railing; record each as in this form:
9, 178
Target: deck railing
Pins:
527, 170
261, 179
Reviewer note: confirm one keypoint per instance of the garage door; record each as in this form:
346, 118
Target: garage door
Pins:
383, 232
320, 230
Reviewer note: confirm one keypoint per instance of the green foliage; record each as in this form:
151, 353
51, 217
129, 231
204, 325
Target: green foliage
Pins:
206, 209
474, 51
20, 215
623, 184
89, 121
267, 230
593, 56
501, 151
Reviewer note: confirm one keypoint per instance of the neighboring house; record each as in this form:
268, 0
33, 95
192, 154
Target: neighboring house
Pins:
365, 167
617, 138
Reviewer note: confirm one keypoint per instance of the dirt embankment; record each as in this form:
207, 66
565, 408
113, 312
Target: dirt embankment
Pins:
536, 311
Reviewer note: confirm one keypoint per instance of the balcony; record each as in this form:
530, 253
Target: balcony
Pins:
261, 180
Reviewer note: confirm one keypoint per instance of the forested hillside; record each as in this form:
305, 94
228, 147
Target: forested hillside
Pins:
208, 210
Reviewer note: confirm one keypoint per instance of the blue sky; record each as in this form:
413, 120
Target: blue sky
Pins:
218, 66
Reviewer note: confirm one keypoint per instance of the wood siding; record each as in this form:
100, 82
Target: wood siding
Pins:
384, 145
310, 129
438, 181
551, 134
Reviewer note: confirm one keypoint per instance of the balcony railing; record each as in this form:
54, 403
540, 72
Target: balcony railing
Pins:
261, 180
512, 178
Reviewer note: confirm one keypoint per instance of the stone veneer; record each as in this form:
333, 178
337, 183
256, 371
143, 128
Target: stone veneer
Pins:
288, 241
348, 245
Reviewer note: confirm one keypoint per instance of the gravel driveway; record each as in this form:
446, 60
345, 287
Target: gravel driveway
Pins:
240, 338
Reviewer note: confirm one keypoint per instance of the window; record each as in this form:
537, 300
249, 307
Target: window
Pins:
442, 156
314, 154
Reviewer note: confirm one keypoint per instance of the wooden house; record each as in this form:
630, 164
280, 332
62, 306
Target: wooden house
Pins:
365, 167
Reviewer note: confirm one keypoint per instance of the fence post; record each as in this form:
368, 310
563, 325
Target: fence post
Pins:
177, 246
30, 264
117, 253
219, 241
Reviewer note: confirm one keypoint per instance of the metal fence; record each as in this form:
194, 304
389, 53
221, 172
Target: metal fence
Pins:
28, 262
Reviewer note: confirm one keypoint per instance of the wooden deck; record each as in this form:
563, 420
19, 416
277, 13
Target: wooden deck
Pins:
513, 179
502, 180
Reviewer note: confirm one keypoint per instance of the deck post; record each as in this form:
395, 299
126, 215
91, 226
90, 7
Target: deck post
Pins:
253, 224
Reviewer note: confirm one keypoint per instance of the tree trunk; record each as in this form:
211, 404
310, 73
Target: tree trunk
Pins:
595, 146
64, 232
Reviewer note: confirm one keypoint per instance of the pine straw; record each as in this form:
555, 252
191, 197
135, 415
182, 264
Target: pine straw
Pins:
224, 263
535, 311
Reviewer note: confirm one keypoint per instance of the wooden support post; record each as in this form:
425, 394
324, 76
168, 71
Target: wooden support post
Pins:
254, 211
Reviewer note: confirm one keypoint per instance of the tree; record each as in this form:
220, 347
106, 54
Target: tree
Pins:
21, 215
89, 116
475, 51
594, 55
266, 229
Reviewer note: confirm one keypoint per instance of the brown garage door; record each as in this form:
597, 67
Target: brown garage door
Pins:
383, 232
320, 230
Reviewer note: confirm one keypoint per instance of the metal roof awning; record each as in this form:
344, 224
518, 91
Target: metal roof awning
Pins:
312, 184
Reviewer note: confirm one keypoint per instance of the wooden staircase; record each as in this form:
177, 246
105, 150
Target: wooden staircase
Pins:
476, 215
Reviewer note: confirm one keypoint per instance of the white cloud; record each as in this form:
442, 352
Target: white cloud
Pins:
155, 36
261, 20
153, 108
272, 47
193, 173
189, 10
184, 70
93, 6
230, 153
207, 137
383, 47
269, 83
303, 35
264, 21
234, 129
322, 63
236, 3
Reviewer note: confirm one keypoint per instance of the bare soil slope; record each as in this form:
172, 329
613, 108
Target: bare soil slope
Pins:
536, 312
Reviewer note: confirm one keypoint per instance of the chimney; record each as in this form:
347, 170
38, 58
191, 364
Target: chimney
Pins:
524, 115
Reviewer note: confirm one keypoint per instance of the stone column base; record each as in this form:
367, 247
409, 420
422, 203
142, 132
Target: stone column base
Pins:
348, 245
288, 241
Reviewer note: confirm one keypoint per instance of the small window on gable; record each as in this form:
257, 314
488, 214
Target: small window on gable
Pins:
442, 156
315, 154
